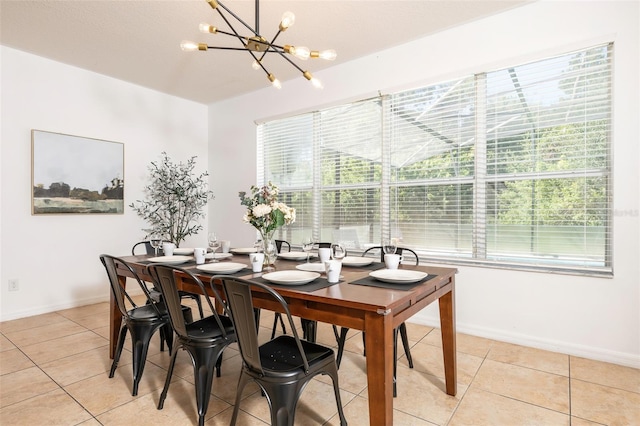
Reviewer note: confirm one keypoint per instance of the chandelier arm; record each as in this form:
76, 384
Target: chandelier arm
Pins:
226, 48
290, 61
271, 45
254, 31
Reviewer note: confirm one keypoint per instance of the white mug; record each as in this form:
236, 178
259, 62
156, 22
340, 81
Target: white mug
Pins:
392, 261
333, 268
256, 261
199, 255
225, 244
168, 248
324, 254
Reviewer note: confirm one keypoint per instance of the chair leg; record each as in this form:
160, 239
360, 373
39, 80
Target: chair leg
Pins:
242, 382
277, 318
199, 302
116, 357
140, 338
333, 373
167, 381
405, 343
342, 339
309, 330
204, 362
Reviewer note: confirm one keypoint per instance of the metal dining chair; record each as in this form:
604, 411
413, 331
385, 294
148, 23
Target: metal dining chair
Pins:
342, 336
283, 366
155, 293
141, 321
204, 340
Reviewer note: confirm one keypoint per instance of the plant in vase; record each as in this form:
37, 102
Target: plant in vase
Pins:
266, 214
176, 199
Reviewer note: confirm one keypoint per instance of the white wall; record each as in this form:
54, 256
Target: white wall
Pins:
593, 317
55, 257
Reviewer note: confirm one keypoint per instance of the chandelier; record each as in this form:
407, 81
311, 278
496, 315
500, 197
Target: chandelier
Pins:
258, 46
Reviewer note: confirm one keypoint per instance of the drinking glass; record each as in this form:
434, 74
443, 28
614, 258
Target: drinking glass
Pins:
338, 251
389, 246
156, 242
307, 245
214, 243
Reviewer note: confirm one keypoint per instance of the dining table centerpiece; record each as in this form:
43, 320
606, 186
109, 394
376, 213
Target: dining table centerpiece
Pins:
266, 214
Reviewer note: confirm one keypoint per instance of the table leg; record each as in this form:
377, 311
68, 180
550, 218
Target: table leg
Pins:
448, 330
115, 320
379, 335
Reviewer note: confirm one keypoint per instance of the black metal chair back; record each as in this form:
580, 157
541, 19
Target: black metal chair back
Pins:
142, 321
280, 243
204, 340
283, 366
399, 250
147, 247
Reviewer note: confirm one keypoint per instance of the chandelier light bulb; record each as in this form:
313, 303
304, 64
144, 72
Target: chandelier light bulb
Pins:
274, 81
188, 46
255, 65
288, 19
207, 29
328, 54
301, 52
316, 83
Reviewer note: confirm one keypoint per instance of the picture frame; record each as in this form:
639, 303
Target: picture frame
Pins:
75, 175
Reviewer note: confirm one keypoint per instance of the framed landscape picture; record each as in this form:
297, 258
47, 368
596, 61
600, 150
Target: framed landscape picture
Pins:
76, 175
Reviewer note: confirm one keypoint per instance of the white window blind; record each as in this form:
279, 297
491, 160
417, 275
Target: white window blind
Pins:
509, 167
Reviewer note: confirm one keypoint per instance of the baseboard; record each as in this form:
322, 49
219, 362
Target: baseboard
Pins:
53, 308
598, 354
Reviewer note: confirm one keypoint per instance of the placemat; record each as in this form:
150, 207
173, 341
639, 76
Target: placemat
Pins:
317, 284
372, 282
370, 267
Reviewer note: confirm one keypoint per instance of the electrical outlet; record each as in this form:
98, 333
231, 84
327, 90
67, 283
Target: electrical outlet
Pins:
14, 284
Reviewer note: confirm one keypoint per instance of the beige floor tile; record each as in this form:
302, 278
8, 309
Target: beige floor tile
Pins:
99, 394
86, 311
54, 407
5, 344
577, 421
352, 374
603, 373
357, 413
24, 384
51, 350
94, 321
179, 408
417, 332
525, 384
428, 359
244, 419
44, 333
480, 407
465, 343
30, 322
14, 360
423, 396
604, 404
75, 368
538, 359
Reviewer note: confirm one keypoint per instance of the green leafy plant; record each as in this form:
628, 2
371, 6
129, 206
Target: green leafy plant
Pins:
175, 200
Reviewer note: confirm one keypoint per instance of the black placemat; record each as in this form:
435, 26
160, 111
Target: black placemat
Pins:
314, 285
372, 282
370, 267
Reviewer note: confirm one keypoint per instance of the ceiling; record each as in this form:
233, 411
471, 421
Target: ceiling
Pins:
138, 41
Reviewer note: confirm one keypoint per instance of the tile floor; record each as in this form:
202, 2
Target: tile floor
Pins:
54, 370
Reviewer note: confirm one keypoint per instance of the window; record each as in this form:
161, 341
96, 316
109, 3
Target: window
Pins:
508, 167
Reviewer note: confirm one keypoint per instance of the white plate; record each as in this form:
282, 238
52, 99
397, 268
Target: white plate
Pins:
398, 275
218, 255
174, 260
357, 261
183, 251
291, 277
243, 250
311, 267
295, 255
221, 267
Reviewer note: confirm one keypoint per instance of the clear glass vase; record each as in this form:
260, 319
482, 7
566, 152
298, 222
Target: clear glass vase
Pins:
269, 249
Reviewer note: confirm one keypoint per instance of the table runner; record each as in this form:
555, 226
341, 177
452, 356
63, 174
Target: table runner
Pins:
372, 282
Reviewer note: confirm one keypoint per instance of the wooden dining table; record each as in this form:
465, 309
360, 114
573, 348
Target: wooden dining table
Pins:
375, 310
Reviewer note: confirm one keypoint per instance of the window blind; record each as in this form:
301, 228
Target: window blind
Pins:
509, 167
